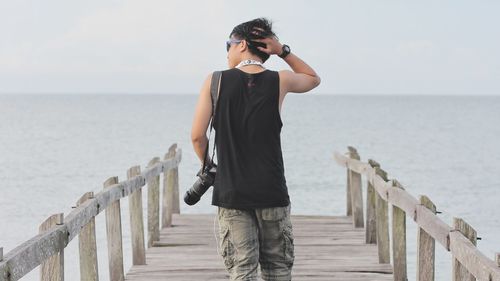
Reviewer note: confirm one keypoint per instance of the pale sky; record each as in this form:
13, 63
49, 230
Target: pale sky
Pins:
356, 47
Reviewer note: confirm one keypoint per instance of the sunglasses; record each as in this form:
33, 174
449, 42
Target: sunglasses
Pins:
229, 42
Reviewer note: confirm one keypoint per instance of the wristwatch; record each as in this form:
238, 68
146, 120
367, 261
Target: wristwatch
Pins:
285, 51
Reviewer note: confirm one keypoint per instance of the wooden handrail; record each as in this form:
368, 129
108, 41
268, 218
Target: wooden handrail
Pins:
452, 239
30, 254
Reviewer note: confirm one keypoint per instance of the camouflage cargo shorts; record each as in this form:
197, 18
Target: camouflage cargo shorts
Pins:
262, 236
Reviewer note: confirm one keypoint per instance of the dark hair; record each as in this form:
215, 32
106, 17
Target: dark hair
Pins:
244, 31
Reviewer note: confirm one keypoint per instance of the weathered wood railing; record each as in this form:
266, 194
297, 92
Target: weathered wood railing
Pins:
47, 248
468, 262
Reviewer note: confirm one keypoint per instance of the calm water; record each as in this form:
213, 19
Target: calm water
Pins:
54, 148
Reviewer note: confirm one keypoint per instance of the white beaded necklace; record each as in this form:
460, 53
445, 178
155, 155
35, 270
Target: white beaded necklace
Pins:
248, 62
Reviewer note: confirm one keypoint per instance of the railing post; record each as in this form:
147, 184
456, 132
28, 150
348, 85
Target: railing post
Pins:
87, 246
170, 181
382, 217
114, 236
460, 273
136, 221
356, 192
3, 274
52, 269
153, 206
399, 240
371, 223
348, 191
497, 258
175, 182
426, 252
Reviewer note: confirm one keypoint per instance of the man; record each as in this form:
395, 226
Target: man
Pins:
250, 187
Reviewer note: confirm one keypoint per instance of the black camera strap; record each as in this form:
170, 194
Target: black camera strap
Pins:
214, 93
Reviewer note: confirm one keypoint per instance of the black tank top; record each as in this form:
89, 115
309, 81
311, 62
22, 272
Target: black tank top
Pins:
250, 171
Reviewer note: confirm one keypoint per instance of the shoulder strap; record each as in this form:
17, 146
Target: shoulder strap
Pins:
214, 93
214, 89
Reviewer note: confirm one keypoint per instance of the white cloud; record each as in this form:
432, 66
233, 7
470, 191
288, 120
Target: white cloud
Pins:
133, 37
170, 46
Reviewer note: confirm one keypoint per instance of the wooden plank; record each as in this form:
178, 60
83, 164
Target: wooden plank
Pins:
166, 206
371, 215
168, 189
175, 185
466, 252
153, 206
352, 164
341, 159
30, 254
403, 200
87, 246
348, 194
434, 226
136, 220
114, 235
460, 272
426, 252
52, 269
399, 240
356, 192
326, 248
381, 186
382, 215
25, 257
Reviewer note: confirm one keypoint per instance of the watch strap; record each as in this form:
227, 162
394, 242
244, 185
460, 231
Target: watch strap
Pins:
286, 51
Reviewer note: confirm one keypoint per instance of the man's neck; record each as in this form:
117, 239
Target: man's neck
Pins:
251, 58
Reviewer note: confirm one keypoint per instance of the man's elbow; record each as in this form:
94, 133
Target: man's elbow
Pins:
196, 138
316, 81
312, 83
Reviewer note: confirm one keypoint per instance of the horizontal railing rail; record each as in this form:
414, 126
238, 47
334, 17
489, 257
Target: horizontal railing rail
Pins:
460, 240
56, 232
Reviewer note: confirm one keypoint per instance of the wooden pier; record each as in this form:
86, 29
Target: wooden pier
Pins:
326, 248
172, 246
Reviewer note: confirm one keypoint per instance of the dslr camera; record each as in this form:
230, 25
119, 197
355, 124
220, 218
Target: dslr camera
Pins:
206, 178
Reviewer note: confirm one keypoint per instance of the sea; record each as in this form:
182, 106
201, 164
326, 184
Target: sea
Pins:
56, 147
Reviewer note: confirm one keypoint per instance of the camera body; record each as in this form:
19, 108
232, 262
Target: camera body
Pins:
205, 180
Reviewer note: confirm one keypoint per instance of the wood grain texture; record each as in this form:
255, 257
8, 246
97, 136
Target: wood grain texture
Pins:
326, 248
175, 183
114, 236
28, 255
153, 206
426, 252
460, 272
399, 240
382, 215
52, 269
371, 215
348, 194
87, 246
136, 220
356, 191
166, 206
466, 252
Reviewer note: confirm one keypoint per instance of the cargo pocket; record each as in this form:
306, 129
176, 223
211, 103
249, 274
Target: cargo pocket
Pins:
227, 248
289, 244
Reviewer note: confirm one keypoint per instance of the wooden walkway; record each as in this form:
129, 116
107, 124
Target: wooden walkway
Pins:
326, 248
183, 247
